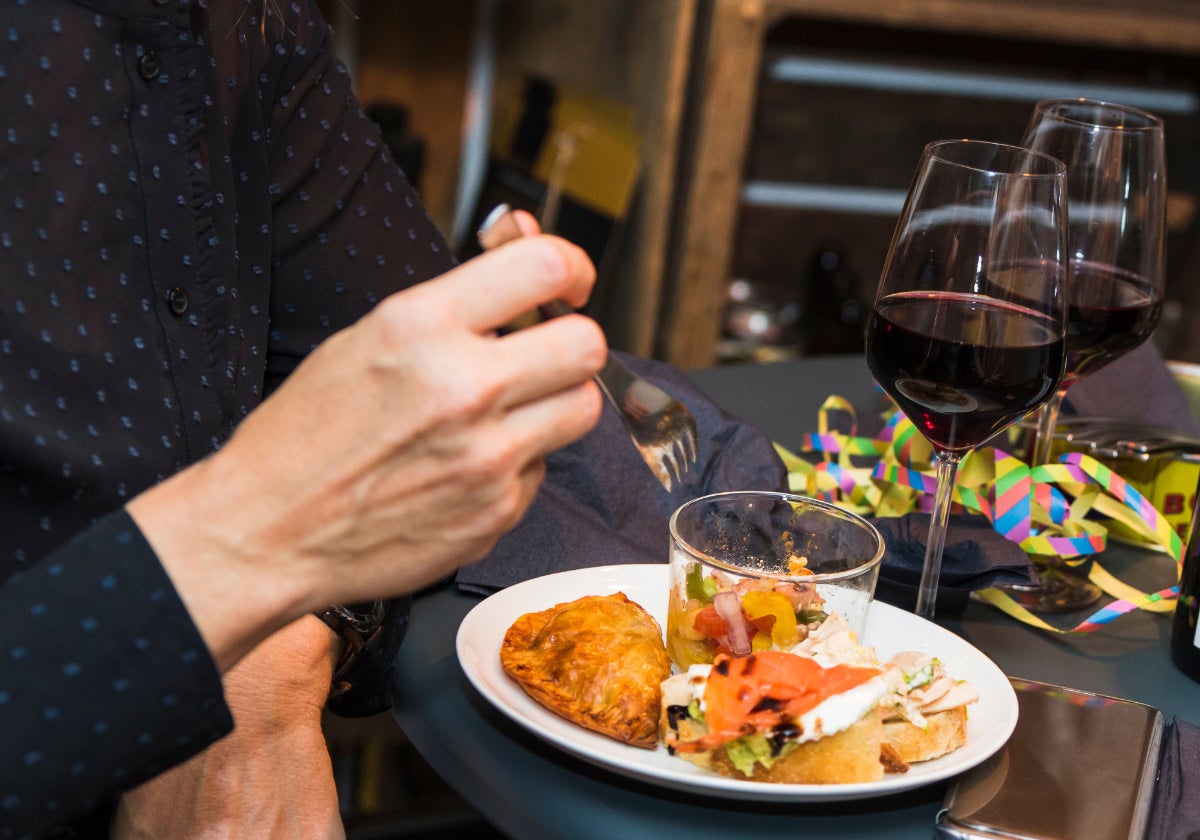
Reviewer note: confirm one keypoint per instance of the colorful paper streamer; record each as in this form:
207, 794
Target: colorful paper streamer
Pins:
1045, 509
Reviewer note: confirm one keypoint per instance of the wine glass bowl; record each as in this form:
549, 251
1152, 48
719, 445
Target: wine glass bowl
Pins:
967, 333
963, 367
1111, 312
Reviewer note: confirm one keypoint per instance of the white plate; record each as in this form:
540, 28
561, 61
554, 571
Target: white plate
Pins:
888, 629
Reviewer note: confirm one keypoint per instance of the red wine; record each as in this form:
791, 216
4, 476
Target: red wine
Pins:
963, 367
1111, 312
1185, 633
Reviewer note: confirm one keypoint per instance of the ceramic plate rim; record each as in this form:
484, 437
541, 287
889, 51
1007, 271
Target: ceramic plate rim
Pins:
477, 643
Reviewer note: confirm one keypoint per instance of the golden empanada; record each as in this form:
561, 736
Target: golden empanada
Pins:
598, 661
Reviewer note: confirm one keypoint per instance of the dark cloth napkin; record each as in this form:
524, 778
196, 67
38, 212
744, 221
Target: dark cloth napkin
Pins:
601, 505
1137, 386
976, 556
1175, 814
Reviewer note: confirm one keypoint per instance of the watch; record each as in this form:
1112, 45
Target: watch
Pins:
372, 632
359, 626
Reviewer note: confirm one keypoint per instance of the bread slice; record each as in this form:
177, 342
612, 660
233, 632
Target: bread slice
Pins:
851, 755
946, 731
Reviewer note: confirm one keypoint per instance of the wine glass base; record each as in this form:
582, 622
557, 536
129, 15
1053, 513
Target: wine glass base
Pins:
1056, 591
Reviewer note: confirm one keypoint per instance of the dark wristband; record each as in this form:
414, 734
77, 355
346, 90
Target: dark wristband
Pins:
372, 633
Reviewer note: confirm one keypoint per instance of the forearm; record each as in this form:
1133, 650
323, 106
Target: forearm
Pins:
194, 522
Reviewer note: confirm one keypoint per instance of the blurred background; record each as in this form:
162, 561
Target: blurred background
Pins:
735, 167
755, 153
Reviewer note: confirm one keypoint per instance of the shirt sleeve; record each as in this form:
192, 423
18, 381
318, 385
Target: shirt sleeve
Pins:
104, 679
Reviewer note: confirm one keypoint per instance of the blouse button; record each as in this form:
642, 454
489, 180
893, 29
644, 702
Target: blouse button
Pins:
149, 65
177, 299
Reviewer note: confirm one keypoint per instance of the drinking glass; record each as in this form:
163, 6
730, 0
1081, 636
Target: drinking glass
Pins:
754, 570
1116, 188
967, 333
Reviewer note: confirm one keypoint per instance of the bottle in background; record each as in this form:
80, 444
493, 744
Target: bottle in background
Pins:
834, 315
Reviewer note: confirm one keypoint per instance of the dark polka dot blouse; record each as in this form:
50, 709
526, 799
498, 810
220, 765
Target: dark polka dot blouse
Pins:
190, 200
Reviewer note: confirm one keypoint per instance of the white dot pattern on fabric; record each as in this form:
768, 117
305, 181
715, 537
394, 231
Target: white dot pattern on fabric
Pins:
187, 208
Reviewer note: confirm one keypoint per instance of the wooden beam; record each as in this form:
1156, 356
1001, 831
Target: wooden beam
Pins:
719, 127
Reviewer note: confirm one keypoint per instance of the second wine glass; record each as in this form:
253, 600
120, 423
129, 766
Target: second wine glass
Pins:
1116, 187
967, 333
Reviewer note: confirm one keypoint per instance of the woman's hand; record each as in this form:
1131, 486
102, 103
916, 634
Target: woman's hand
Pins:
401, 449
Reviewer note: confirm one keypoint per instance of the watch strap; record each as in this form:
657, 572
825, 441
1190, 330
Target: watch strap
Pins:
357, 626
373, 633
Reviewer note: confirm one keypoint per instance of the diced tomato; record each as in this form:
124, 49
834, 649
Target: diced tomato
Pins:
710, 623
763, 623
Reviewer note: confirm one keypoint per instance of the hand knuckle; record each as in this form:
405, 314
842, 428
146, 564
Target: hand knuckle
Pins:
594, 345
499, 515
402, 318
467, 396
551, 263
487, 469
391, 315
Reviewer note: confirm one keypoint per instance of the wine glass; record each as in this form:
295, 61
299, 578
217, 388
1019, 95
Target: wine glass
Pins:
1116, 186
1116, 189
967, 333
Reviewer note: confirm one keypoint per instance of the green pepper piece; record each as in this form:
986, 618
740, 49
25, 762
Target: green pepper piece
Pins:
699, 587
809, 616
695, 583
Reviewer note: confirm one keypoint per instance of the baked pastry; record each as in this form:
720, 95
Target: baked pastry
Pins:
598, 661
777, 717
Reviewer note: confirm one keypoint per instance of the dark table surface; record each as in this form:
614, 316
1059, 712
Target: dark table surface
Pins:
529, 789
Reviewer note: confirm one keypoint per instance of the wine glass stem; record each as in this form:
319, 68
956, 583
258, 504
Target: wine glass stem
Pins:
946, 464
1047, 420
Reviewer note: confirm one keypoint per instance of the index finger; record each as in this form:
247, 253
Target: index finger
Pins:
499, 285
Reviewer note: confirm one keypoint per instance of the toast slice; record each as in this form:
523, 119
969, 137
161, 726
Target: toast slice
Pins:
851, 755
946, 731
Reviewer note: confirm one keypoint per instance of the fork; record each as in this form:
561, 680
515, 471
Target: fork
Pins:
662, 428
1113, 438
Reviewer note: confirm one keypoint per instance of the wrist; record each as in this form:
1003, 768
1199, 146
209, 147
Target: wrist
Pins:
284, 681
235, 597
